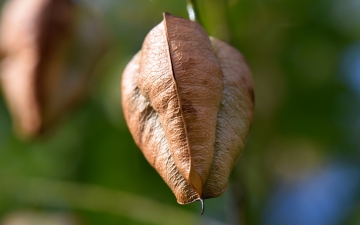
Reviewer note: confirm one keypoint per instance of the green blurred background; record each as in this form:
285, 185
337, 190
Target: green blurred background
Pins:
301, 162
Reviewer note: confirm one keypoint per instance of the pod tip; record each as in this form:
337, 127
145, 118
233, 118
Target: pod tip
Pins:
202, 206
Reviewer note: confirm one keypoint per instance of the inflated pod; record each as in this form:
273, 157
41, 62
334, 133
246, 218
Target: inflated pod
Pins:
188, 101
48, 50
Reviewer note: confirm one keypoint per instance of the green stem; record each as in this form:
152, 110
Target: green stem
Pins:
216, 24
63, 194
193, 11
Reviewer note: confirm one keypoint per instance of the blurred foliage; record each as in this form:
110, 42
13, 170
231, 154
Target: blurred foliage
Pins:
303, 150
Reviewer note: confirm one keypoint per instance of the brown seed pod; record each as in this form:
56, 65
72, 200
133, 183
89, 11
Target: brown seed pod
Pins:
48, 50
188, 101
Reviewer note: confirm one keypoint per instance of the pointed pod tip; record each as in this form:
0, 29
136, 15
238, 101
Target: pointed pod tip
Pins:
202, 206
166, 14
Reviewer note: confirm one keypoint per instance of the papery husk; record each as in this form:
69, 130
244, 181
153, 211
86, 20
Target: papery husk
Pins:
188, 101
49, 49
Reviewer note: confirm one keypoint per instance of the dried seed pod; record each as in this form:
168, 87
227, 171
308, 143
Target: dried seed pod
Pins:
188, 101
48, 50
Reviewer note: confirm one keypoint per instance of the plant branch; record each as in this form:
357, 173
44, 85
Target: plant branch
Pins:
62, 194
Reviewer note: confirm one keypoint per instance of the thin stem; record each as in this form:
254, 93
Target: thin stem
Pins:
193, 11
55, 193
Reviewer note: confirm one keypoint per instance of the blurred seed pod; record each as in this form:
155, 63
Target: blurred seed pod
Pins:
188, 101
49, 49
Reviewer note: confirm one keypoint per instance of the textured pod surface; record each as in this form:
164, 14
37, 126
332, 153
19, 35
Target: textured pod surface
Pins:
188, 102
46, 60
